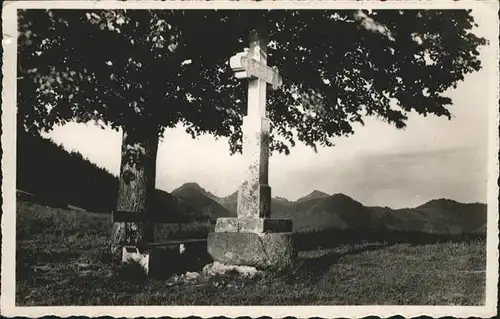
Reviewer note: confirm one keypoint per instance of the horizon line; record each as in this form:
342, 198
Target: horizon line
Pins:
327, 193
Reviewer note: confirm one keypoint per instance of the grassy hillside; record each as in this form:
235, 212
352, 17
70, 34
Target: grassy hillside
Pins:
62, 258
47, 170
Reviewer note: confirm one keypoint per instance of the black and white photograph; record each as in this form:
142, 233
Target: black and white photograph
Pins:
312, 156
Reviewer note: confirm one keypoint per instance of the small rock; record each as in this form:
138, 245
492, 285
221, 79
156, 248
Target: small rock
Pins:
217, 268
172, 280
191, 275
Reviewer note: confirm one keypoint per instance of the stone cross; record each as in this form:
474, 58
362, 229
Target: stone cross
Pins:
254, 195
253, 238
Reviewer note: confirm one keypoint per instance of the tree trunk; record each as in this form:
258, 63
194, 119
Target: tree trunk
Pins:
136, 186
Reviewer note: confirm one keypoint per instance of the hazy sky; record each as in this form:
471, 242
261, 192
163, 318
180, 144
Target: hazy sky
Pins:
378, 165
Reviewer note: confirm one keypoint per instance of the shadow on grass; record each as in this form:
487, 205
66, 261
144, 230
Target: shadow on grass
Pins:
167, 261
26, 260
332, 238
131, 272
45, 257
312, 269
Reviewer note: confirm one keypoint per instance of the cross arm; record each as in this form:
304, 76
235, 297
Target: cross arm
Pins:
247, 68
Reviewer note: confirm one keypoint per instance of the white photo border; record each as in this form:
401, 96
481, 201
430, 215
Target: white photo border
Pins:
9, 93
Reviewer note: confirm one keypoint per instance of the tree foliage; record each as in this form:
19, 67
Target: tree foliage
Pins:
126, 68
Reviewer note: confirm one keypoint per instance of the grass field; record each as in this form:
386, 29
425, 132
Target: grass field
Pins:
62, 259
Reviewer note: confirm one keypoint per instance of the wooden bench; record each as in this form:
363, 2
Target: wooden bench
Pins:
141, 255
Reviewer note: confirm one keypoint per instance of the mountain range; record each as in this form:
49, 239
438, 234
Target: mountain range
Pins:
319, 211
77, 183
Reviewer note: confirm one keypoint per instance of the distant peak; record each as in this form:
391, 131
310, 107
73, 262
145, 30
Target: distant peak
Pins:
341, 196
440, 201
192, 185
317, 192
313, 195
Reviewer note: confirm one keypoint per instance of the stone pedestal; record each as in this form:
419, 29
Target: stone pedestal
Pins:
258, 242
260, 250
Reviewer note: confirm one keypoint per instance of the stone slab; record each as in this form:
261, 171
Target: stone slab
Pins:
263, 251
252, 225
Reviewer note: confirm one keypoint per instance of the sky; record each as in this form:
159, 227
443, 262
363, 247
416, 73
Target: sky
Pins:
378, 165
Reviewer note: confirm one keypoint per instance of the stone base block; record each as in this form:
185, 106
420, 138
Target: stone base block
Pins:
267, 250
252, 225
132, 255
